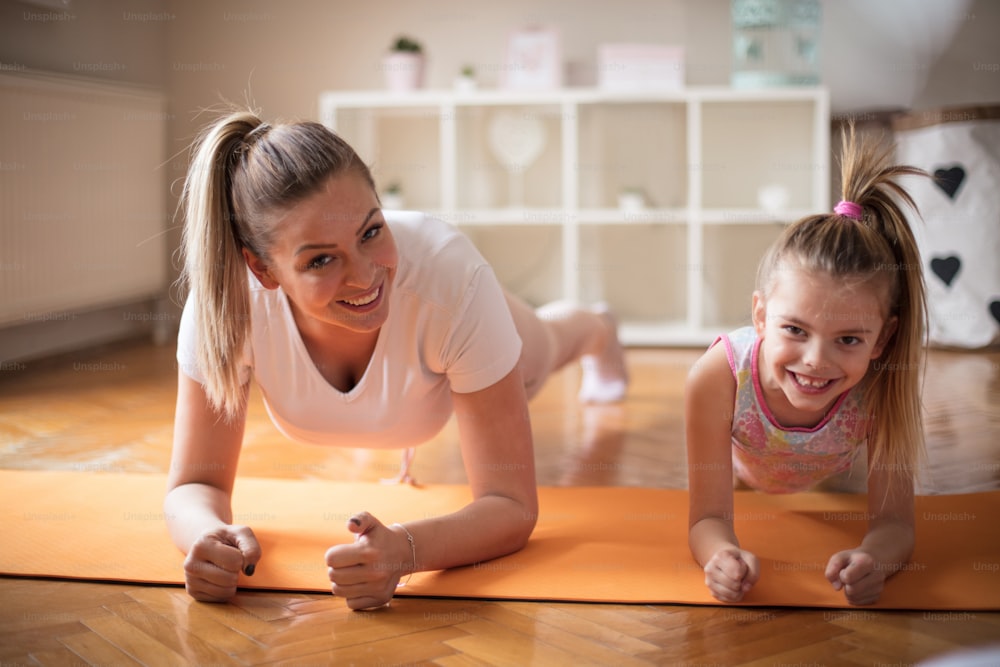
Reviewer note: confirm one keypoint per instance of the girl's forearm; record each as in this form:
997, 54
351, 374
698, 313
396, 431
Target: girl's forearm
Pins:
708, 535
890, 543
488, 527
191, 509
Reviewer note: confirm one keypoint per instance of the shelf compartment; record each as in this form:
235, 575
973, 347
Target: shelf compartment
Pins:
632, 145
400, 145
747, 147
729, 271
483, 180
527, 259
641, 270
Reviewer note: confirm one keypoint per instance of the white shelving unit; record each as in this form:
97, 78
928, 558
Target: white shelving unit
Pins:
677, 272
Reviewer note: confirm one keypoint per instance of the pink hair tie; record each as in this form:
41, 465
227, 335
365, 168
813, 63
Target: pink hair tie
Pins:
849, 209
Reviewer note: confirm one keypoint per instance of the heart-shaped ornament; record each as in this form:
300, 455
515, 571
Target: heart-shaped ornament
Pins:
950, 179
946, 268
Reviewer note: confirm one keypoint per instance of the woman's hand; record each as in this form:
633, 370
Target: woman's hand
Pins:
495, 436
214, 562
730, 573
854, 572
197, 506
366, 573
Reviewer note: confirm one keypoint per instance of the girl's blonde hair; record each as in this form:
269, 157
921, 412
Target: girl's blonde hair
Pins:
878, 249
242, 173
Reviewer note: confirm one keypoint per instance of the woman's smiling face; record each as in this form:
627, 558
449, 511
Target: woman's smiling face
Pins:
334, 256
819, 335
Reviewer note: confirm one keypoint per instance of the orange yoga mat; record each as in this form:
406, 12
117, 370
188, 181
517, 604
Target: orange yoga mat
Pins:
590, 544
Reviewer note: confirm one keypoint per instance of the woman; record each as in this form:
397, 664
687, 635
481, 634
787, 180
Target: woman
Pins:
363, 330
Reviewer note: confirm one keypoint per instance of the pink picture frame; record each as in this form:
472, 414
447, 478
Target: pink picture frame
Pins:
532, 61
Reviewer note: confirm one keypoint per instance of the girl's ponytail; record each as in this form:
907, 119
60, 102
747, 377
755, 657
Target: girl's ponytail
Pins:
892, 389
214, 268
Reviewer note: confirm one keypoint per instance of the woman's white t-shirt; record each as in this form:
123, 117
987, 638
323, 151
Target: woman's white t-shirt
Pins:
448, 329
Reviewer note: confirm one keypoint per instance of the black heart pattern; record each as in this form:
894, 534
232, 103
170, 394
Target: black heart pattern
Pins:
995, 310
950, 179
946, 268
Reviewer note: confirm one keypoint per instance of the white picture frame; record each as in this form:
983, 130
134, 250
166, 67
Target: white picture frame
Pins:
532, 61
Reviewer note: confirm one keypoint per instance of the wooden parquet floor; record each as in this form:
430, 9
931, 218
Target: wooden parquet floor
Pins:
110, 409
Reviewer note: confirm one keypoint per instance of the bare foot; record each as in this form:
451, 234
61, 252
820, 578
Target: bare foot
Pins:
404, 476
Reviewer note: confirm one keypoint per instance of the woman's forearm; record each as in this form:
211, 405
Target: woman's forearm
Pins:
488, 527
192, 509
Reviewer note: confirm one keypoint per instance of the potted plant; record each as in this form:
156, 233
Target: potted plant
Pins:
392, 197
403, 66
465, 82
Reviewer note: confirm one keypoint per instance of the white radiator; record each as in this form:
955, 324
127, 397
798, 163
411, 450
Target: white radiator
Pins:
83, 214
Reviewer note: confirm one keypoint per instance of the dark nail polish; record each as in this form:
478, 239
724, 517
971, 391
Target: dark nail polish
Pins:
356, 521
249, 569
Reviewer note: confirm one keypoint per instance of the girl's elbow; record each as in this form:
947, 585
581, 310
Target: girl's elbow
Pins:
521, 539
525, 528
522, 528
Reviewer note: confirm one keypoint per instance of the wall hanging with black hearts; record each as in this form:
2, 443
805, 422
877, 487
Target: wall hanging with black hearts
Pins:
959, 235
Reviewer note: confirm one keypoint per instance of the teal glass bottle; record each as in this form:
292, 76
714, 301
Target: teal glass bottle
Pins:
776, 43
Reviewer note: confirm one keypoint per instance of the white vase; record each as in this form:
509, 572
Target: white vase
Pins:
773, 197
465, 84
392, 201
404, 71
631, 202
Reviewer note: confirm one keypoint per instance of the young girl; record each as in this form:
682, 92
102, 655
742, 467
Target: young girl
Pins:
831, 364
362, 329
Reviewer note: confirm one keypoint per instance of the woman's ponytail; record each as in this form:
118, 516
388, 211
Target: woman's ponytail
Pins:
214, 268
242, 172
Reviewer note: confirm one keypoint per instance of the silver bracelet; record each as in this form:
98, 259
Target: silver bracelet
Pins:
413, 552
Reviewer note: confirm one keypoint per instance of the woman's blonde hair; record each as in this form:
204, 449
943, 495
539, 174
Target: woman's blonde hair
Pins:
879, 249
243, 171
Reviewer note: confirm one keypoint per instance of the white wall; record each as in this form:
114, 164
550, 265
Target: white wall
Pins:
279, 54
876, 54
910, 54
119, 40
115, 40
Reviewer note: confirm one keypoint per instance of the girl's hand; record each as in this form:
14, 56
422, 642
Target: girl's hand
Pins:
730, 573
854, 571
366, 572
214, 562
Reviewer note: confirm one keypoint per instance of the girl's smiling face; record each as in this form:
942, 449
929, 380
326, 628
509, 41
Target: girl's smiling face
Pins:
334, 257
819, 333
